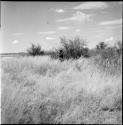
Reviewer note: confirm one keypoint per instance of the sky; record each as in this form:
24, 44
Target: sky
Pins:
44, 23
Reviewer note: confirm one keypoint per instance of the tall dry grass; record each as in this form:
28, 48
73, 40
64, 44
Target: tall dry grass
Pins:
41, 90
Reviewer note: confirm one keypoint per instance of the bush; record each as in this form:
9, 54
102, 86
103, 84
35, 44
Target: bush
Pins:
35, 50
119, 47
110, 58
107, 52
72, 49
101, 46
112, 52
85, 52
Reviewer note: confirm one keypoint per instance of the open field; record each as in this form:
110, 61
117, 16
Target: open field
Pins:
61, 62
13, 54
41, 90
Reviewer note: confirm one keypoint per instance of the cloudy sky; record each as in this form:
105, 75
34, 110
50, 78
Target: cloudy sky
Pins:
24, 23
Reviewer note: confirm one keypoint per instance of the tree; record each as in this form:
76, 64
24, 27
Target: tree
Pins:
72, 48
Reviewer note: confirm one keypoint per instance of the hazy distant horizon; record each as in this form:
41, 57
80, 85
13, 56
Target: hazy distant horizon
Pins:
44, 23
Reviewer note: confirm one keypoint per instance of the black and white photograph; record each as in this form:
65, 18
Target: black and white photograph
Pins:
61, 62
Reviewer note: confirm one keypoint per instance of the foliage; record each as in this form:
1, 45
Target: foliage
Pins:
110, 58
35, 50
101, 45
112, 52
72, 49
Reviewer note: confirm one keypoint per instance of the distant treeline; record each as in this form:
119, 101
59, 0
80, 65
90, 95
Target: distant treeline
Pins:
72, 49
76, 48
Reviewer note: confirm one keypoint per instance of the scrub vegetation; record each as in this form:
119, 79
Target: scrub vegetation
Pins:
66, 87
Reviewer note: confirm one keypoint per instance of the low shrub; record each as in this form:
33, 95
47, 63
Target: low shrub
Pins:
35, 50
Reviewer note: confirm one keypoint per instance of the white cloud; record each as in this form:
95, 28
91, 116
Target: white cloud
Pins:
114, 27
78, 16
50, 38
111, 22
91, 5
15, 42
64, 28
110, 41
17, 34
48, 32
77, 30
100, 31
59, 10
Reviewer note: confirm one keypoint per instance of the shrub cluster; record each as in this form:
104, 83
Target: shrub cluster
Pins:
35, 50
76, 48
72, 49
110, 53
110, 58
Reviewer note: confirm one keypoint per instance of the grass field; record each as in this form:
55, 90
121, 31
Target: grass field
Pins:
41, 90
